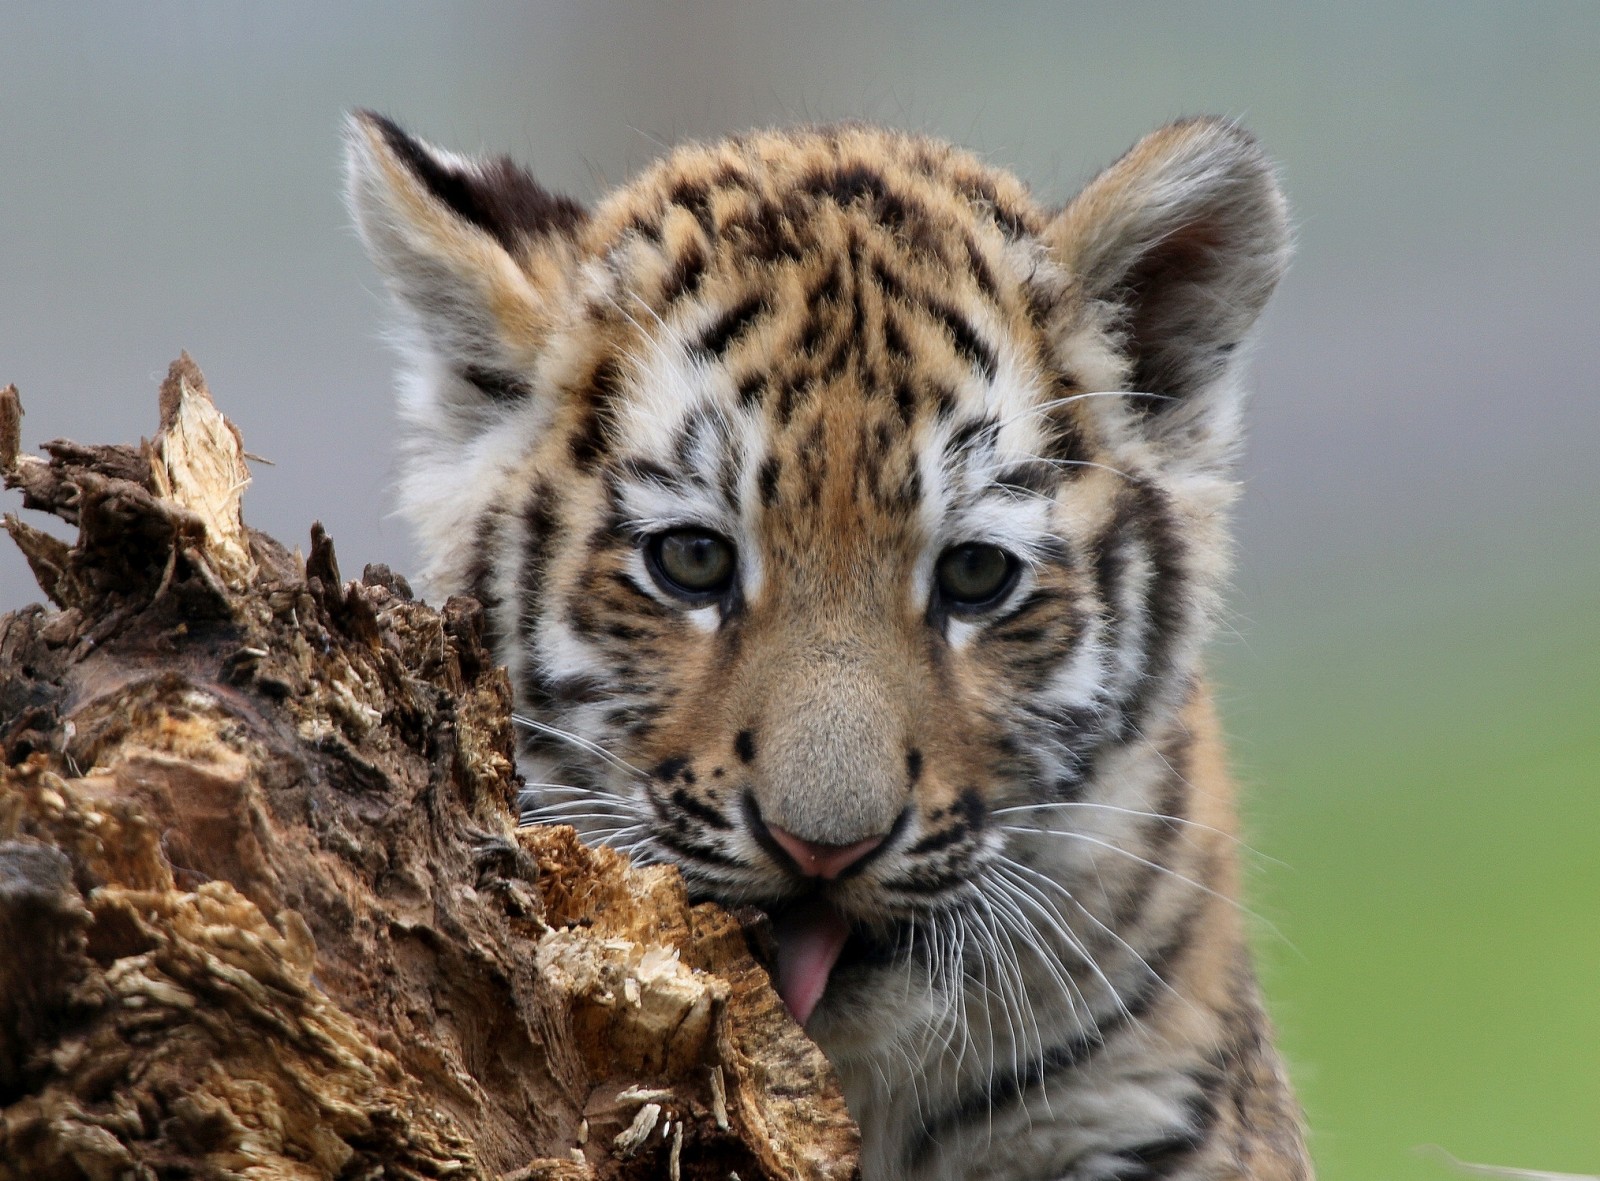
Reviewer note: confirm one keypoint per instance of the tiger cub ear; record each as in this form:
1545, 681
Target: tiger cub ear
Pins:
1181, 241
477, 255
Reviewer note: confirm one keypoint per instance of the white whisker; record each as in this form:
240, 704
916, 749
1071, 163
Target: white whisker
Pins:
1139, 813
578, 741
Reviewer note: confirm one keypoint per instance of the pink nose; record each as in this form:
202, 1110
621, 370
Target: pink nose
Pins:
822, 861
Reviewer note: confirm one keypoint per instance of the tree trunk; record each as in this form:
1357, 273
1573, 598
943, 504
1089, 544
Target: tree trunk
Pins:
264, 907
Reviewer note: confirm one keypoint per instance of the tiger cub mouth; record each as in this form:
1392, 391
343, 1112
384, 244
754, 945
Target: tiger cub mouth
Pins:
807, 944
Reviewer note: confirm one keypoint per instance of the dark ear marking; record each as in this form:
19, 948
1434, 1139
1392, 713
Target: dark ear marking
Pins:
495, 195
1169, 271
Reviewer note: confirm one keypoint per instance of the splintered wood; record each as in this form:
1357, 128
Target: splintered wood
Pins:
266, 911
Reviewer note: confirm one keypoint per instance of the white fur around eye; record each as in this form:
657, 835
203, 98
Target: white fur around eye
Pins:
706, 619
960, 633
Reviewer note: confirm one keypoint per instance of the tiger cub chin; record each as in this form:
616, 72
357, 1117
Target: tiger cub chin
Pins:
851, 526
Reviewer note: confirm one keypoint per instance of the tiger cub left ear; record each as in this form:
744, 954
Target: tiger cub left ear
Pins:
1182, 241
478, 256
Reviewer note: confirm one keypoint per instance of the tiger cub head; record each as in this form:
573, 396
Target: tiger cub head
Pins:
827, 495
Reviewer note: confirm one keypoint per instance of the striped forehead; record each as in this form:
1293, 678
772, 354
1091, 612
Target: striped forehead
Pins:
711, 432
835, 325
866, 297
828, 245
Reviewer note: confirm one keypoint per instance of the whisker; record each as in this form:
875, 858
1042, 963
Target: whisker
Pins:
1053, 403
1137, 812
1105, 467
1271, 927
597, 799
578, 741
1011, 976
571, 817
1024, 893
1093, 918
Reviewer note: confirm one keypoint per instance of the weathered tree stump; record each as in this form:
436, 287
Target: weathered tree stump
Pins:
264, 908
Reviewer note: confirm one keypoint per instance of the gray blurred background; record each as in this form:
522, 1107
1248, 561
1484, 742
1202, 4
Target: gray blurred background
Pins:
1413, 673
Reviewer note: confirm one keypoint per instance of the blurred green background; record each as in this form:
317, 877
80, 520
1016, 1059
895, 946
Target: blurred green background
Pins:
1413, 671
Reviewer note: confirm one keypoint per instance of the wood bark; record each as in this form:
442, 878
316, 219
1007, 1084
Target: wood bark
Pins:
264, 908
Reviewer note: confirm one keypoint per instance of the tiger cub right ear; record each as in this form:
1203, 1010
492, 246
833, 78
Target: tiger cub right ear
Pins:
1182, 241
476, 253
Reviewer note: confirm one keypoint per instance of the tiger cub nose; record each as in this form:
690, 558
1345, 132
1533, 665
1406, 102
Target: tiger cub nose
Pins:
822, 861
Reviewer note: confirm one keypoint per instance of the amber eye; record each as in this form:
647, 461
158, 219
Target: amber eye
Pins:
974, 576
692, 563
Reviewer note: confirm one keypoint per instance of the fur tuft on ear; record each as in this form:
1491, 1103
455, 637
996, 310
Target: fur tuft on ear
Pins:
476, 254
1181, 242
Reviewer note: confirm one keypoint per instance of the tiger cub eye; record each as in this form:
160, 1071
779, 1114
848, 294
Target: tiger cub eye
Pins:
692, 562
974, 575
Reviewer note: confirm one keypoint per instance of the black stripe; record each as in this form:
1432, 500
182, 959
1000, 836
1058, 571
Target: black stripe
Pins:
827, 288
948, 835
966, 338
684, 278
540, 520
1041, 300
928, 882
888, 281
1007, 1086
848, 184
767, 480
701, 811
751, 388
695, 851
731, 325
1110, 566
972, 434
1143, 517
1161, 1156
981, 272
1164, 1154
647, 603
596, 398
1165, 601
1030, 476
904, 400
572, 690
838, 362
485, 544
645, 227
670, 767
980, 191
496, 384
644, 470
812, 334
1064, 439
761, 233
696, 198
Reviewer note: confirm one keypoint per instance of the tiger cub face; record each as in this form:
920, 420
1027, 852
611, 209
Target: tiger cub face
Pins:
834, 505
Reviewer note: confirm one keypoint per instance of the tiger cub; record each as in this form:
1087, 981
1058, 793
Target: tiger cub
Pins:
851, 526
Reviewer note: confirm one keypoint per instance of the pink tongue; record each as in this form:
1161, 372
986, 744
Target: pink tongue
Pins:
810, 938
